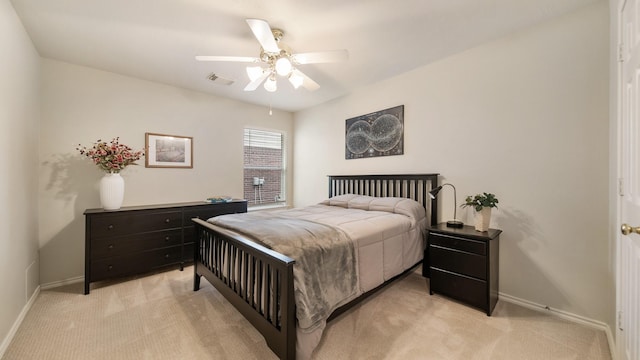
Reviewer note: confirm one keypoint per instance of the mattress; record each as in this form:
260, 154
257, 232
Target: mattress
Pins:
388, 232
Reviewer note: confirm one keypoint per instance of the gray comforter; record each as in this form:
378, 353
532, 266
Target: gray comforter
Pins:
325, 272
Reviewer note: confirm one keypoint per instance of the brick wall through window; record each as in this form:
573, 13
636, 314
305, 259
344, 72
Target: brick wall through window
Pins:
263, 167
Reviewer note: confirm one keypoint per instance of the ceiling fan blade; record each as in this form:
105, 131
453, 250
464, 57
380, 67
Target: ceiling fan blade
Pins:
321, 57
262, 32
255, 83
228, 58
307, 82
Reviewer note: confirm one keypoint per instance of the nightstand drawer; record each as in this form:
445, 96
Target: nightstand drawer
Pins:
458, 261
468, 290
134, 263
116, 246
457, 243
134, 222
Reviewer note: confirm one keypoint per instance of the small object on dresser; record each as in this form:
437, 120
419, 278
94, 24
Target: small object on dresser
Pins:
111, 158
219, 199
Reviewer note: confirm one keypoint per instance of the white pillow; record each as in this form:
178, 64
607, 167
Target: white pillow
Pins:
361, 202
396, 205
340, 200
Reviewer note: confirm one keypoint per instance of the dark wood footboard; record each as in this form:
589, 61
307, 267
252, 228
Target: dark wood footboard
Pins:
256, 280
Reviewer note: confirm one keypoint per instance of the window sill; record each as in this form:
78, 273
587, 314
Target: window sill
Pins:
267, 207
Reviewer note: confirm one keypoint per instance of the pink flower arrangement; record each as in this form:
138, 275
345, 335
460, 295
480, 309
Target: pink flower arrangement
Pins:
111, 157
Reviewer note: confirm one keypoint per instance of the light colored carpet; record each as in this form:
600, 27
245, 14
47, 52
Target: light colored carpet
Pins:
160, 317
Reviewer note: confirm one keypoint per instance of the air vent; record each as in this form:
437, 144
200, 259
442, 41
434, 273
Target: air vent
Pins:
219, 80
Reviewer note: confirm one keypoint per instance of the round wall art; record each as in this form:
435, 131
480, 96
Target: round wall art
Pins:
380, 133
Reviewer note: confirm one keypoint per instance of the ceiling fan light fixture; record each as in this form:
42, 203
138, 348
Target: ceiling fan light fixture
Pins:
283, 66
254, 72
295, 79
270, 85
277, 59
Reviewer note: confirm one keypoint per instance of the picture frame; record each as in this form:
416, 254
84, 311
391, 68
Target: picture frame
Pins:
380, 133
168, 151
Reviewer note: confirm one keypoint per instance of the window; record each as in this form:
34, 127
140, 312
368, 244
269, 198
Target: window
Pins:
264, 167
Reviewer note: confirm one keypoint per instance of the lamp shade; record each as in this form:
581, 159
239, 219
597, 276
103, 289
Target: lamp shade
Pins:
434, 192
270, 85
283, 66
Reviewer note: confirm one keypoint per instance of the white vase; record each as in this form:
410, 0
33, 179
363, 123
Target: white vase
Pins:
111, 191
482, 219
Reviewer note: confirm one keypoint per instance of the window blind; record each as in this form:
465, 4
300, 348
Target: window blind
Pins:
263, 139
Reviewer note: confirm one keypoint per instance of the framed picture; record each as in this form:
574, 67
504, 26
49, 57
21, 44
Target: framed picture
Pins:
380, 133
168, 151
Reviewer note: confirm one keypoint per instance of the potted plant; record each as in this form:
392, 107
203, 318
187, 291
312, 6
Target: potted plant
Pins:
111, 158
482, 204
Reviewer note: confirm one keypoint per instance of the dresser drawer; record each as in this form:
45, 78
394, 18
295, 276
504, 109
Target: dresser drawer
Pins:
187, 254
135, 263
457, 243
116, 246
125, 223
458, 262
465, 289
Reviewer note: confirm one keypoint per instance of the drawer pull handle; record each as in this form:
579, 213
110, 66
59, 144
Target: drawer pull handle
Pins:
166, 256
110, 246
166, 238
110, 267
110, 227
167, 221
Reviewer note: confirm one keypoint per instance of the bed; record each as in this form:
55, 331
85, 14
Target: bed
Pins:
259, 281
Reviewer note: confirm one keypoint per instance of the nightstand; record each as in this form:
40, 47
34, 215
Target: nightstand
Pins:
463, 264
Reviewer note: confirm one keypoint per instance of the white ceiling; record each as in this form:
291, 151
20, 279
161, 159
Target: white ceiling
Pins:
157, 40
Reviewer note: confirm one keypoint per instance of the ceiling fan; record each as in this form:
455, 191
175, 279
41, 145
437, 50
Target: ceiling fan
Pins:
277, 59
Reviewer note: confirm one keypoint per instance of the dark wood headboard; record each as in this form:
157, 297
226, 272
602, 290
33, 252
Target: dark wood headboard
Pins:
412, 186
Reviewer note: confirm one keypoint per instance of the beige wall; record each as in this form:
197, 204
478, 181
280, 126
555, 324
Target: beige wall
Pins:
19, 111
81, 105
524, 117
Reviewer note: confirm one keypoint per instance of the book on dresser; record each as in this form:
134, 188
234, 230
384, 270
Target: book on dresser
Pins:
139, 239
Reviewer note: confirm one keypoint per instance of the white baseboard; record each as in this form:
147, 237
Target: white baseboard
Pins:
567, 316
16, 325
56, 284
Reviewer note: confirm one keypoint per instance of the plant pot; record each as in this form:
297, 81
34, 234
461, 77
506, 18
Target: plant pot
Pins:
482, 219
111, 191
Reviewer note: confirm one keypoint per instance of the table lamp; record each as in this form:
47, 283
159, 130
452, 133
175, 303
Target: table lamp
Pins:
451, 223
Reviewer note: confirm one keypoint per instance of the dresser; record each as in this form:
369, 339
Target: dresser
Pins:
138, 239
463, 264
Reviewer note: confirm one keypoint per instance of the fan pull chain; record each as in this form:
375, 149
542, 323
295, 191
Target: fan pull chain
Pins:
270, 111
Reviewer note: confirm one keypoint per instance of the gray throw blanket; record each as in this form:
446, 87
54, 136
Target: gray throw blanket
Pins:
325, 273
